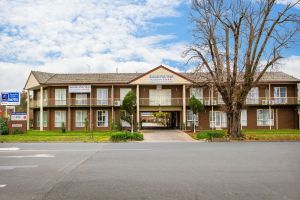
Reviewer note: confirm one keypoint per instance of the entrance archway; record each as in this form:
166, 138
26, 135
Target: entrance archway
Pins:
160, 120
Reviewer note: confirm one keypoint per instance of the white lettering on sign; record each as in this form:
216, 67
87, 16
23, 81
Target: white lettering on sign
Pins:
80, 88
161, 78
17, 125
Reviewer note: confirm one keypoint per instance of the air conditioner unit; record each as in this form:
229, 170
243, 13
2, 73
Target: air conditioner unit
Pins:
207, 102
265, 102
117, 103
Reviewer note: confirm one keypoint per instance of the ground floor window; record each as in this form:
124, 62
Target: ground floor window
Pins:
265, 117
102, 118
190, 118
81, 116
244, 117
217, 119
60, 117
45, 119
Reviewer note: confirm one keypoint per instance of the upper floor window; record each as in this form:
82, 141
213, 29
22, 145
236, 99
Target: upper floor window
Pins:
253, 96
197, 92
102, 96
81, 99
280, 95
60, 96
45, 97
123, 93
220, 99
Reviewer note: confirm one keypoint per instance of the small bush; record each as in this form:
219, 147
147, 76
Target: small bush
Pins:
63, 127
17, 131
125, 136
3, 126
211, 134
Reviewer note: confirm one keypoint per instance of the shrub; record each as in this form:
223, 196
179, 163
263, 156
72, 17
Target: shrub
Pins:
63, 127
3, 126
125, 136
17, 131
211, 134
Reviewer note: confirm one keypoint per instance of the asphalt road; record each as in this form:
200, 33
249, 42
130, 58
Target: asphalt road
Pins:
150, 171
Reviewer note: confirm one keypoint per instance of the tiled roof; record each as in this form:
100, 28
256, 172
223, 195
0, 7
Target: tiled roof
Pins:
102, 78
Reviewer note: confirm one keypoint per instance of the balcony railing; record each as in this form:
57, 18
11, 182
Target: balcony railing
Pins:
159, 102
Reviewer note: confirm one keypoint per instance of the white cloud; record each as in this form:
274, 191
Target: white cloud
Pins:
73, 36
291, 65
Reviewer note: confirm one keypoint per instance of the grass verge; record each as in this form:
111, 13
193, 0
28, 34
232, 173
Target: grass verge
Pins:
55, 136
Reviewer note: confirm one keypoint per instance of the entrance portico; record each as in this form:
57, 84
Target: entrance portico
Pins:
162, 90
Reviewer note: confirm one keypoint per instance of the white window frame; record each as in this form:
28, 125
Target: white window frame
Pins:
123, 93
45, 118
81, 99
244, 117
102, 120
220, 99
253, 96
60, 97
197, 92
80, 116
102, 96
278, 98
222, 117
59, 118
260, 117
162, 97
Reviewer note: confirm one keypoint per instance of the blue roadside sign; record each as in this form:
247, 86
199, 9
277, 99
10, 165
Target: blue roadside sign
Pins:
10, 98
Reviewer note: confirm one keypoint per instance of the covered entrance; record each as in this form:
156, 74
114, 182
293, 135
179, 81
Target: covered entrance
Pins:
160, 119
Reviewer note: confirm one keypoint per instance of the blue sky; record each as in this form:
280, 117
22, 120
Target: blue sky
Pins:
96, 36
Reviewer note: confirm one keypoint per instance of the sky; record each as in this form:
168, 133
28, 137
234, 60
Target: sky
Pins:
82, 36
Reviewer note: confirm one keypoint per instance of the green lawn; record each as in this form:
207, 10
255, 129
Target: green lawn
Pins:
287, 134
53, 136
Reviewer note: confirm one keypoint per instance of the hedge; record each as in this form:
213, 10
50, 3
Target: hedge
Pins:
211, 134
125, 136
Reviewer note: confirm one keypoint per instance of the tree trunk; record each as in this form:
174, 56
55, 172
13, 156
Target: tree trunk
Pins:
132, 123
194, 123
234, 124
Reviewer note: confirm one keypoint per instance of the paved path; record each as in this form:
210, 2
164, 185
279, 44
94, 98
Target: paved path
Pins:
165, 135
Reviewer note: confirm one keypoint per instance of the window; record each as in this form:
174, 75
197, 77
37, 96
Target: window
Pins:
81, 115
102, 118
81, 99
102, 96
45, 97
265, 117
280, 95
217, 119
161, 97
244, 118
190, 116
253, 96
45, 119
60, 97
197, 92
123, 93
220, 99
60, 117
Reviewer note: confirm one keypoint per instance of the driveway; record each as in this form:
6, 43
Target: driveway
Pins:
165, 135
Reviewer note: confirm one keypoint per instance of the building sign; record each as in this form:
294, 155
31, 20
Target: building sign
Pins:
10, 98
80, 88
16, 125
161, 78
18, 116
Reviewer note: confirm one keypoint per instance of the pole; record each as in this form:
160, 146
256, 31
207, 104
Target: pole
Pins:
131, 123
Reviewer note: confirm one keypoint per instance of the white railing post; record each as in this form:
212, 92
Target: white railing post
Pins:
41, 109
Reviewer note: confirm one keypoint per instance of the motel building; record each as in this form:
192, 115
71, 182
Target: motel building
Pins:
97, 97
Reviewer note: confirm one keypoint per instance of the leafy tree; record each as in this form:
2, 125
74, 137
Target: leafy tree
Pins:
161, 115
236, 42
86, 124
129, 106
196, 106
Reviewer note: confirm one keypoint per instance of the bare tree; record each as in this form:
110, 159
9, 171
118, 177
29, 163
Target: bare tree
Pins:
236, 42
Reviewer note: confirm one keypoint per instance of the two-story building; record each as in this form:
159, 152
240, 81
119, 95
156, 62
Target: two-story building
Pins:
73, 99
